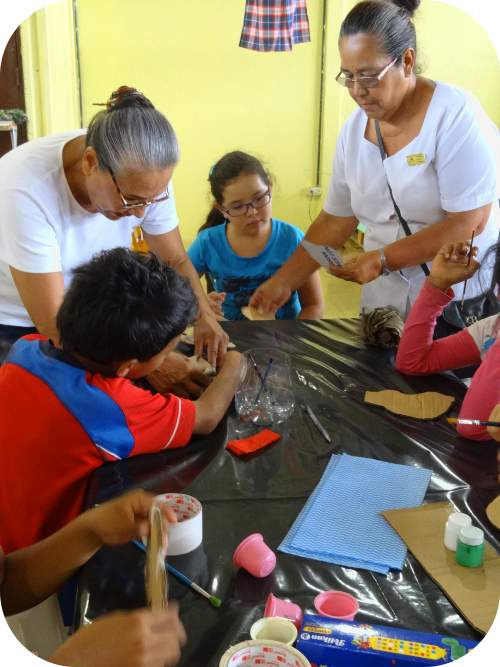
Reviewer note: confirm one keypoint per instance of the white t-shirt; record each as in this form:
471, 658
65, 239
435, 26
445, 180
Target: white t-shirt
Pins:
485, 333
455, 155
43, 229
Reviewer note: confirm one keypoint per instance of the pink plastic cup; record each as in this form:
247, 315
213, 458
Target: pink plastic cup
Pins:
255, 556
277, 607
336, 604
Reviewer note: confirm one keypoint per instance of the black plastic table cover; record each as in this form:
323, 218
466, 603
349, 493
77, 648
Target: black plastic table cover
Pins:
264, 493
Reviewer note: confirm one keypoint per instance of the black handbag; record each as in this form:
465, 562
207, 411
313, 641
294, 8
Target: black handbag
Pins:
455, 317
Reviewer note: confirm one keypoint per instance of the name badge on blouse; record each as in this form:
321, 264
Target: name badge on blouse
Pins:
416, 158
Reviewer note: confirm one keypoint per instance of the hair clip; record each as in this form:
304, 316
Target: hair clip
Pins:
211, 170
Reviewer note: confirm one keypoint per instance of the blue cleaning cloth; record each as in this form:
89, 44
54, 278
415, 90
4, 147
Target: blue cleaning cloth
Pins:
341, 522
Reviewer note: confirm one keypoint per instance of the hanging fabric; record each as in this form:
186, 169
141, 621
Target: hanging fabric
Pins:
274, 25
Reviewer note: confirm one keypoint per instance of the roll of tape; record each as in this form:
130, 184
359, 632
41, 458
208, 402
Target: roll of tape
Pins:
263, 652
187, 534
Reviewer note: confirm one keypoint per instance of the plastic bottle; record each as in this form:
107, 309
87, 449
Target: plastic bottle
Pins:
470, 547
455, 523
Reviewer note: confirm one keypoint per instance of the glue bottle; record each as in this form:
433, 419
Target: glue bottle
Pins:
470, 547
455, 523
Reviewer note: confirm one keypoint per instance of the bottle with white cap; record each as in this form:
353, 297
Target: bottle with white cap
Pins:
470, 547
455, 523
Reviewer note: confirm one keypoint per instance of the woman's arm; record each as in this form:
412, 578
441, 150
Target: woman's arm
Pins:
311, 298
327, 229
208, 334
415, 249
41, 294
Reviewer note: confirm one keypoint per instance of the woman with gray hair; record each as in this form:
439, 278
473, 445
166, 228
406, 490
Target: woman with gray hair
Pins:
68, 196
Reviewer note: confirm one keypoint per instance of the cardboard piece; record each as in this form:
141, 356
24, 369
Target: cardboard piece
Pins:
474, 591
201, 364
323, 254
493, 512
156, 576
427, 405
253, 314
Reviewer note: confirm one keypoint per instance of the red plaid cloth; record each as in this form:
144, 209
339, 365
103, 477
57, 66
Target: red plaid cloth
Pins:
274, 25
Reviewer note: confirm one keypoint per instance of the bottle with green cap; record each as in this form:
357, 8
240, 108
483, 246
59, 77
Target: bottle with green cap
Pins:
470, 547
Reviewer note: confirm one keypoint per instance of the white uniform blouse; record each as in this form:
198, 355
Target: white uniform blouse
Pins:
43, 229
449, 167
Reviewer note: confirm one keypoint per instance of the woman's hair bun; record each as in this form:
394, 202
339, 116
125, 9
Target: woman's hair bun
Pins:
411, 6
125, 96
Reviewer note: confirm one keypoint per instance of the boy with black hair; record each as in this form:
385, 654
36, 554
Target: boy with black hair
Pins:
64, 412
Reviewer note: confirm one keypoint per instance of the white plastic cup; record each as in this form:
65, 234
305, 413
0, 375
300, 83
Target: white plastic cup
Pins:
273, 627
454, 525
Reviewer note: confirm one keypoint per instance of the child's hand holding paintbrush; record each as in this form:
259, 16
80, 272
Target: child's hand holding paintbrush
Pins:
453, 264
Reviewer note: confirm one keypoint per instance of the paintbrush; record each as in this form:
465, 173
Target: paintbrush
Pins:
214, 600
263, 381
468, 264
471, 422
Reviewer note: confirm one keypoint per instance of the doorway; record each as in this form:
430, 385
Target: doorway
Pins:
12, 88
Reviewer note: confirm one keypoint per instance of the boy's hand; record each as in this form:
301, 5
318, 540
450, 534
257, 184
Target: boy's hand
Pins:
452, 264
124, 519
177, 376
126, 639
216, 299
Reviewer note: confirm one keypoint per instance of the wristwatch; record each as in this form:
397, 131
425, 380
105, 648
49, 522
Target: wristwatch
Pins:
385, 269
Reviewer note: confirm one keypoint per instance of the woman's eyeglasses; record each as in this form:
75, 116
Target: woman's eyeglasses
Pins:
128, 204
256, 203
363, 81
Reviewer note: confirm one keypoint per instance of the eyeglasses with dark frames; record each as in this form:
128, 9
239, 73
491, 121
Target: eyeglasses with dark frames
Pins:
242, 209
128, 204
363, 81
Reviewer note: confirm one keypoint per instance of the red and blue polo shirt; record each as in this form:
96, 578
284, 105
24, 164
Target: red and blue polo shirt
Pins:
58, 422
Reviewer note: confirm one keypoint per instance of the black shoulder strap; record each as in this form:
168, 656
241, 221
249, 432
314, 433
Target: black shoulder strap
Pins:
403, 222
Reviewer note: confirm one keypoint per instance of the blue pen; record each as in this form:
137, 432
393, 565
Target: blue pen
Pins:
214, 600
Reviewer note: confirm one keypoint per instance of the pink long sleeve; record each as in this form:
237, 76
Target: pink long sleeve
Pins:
419, 353
483, 395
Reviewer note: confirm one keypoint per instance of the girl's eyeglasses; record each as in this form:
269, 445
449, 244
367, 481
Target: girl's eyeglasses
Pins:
256, 203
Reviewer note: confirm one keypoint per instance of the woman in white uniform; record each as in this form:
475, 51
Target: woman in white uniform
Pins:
439, 164
66, 197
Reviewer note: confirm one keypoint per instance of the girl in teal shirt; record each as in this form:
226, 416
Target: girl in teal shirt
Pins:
241, 245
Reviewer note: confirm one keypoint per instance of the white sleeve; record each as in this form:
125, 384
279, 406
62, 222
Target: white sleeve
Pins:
464, 162
28, 241
482, 330
162, 217
338, 198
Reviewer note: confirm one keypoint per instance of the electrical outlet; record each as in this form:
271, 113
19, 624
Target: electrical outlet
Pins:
314, 191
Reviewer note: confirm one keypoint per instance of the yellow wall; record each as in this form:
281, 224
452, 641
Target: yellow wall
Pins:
184, 54
50, 70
